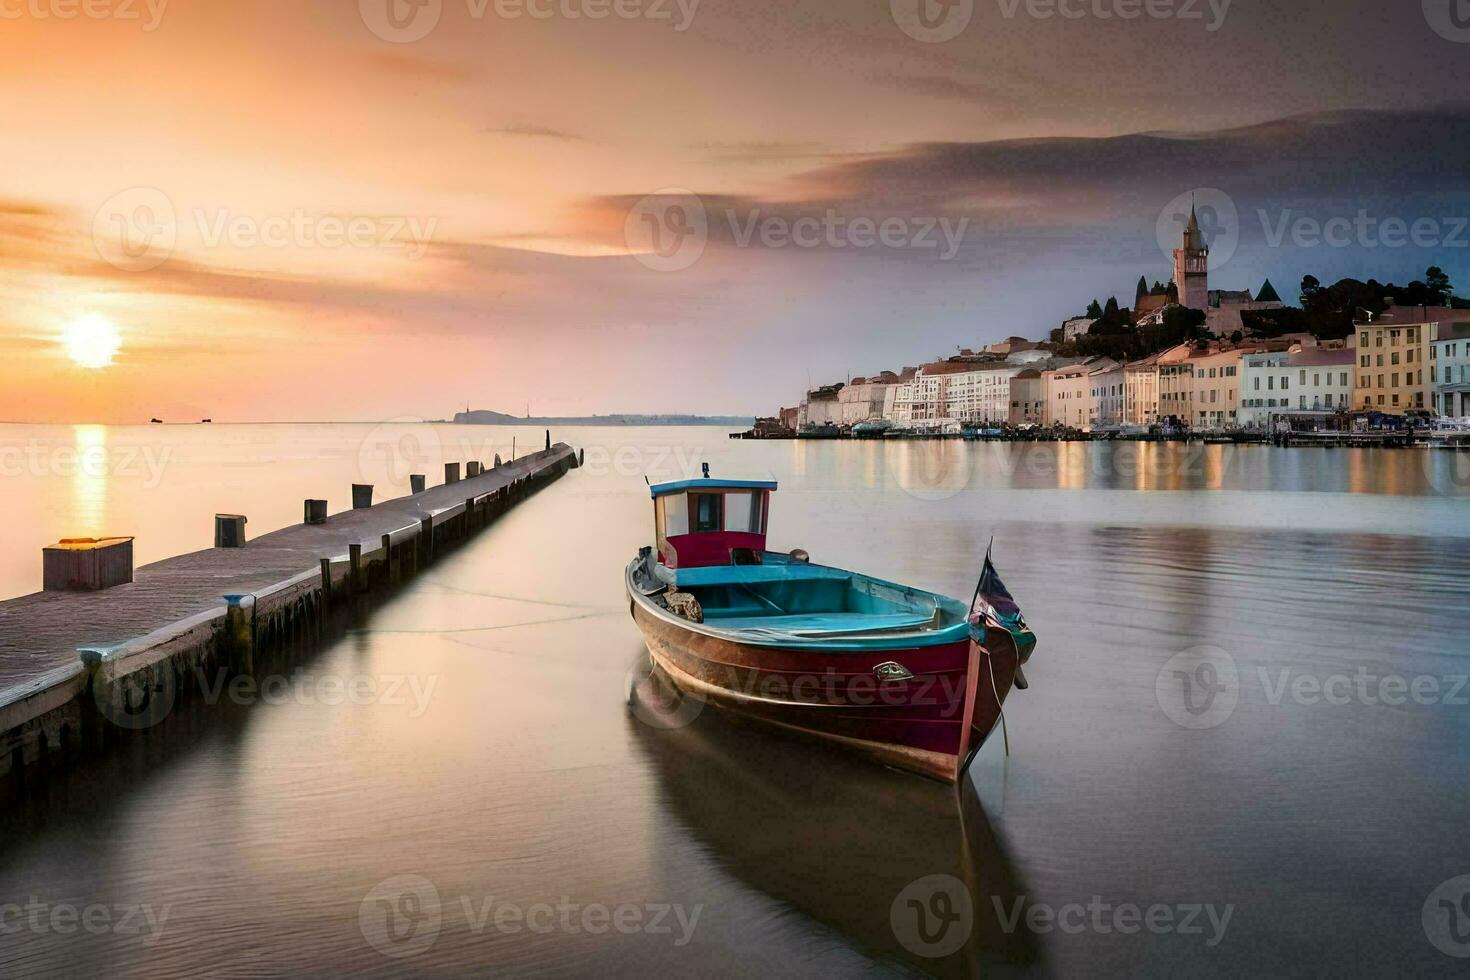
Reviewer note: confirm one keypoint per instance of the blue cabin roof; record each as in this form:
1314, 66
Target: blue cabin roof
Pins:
709, 483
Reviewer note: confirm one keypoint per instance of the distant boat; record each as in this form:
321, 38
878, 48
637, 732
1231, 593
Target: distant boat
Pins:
872, 427
156, 421
909, 678
205, 421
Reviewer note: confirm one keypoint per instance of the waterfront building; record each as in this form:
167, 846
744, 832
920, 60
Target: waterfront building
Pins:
1215, 387
970, 388
1028, 398
1449, 369
1106, 385
1176, 384
820, 408
1393, 347
1067, 392
1191, 267
1310, 379
864, 398
1141, 391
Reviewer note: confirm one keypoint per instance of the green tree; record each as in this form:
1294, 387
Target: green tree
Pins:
1438, 285
1311, 289
1093, 310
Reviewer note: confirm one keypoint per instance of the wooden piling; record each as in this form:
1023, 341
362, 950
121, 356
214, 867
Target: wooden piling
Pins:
416, 483
362, 496
354, 558
240, 633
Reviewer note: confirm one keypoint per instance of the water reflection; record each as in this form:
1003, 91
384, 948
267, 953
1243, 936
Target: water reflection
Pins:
861, 849
89, 479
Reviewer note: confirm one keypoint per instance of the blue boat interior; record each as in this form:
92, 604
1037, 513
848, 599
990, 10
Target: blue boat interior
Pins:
798, 598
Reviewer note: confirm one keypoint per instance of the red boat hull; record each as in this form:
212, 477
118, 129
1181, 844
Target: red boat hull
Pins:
930, 723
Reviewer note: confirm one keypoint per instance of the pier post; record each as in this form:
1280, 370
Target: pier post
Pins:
315, 512
451, 473
229, 530
239, 634
416, 483
426, 541
472, 468
497, 461
469, 515
354, 555
93, 732
326, 583
388, 559
362, 496
548, 440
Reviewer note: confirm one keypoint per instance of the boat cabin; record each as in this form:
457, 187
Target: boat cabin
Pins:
707, 521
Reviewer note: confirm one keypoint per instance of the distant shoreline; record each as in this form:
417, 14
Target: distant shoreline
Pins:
482, 417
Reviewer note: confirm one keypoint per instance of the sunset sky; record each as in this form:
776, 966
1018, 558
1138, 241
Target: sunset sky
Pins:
296, 210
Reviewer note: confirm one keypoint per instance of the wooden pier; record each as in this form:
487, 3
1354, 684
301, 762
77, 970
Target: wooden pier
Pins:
77, 667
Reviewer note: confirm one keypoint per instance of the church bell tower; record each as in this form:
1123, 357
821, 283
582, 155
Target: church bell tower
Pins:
1191, 266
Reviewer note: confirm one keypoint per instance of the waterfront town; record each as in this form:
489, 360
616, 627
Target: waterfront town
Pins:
1217, 367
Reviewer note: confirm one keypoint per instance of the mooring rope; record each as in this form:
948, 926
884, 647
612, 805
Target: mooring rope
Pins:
995, 690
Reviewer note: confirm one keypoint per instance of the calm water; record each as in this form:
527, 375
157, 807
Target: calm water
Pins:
1246, 746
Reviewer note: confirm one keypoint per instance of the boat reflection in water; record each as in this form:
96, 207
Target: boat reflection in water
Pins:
907, 868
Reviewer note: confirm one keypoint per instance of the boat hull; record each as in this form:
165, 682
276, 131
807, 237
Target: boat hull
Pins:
929, 723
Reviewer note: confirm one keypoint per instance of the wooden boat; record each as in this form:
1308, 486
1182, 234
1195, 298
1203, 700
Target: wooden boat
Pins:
910, 678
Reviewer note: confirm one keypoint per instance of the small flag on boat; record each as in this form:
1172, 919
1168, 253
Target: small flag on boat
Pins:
993, 606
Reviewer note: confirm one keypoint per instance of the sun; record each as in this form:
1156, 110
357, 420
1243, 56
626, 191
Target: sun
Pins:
91, 341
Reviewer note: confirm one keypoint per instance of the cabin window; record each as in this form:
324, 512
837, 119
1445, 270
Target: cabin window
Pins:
737, 511
676, 514
743, 511
705, 510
